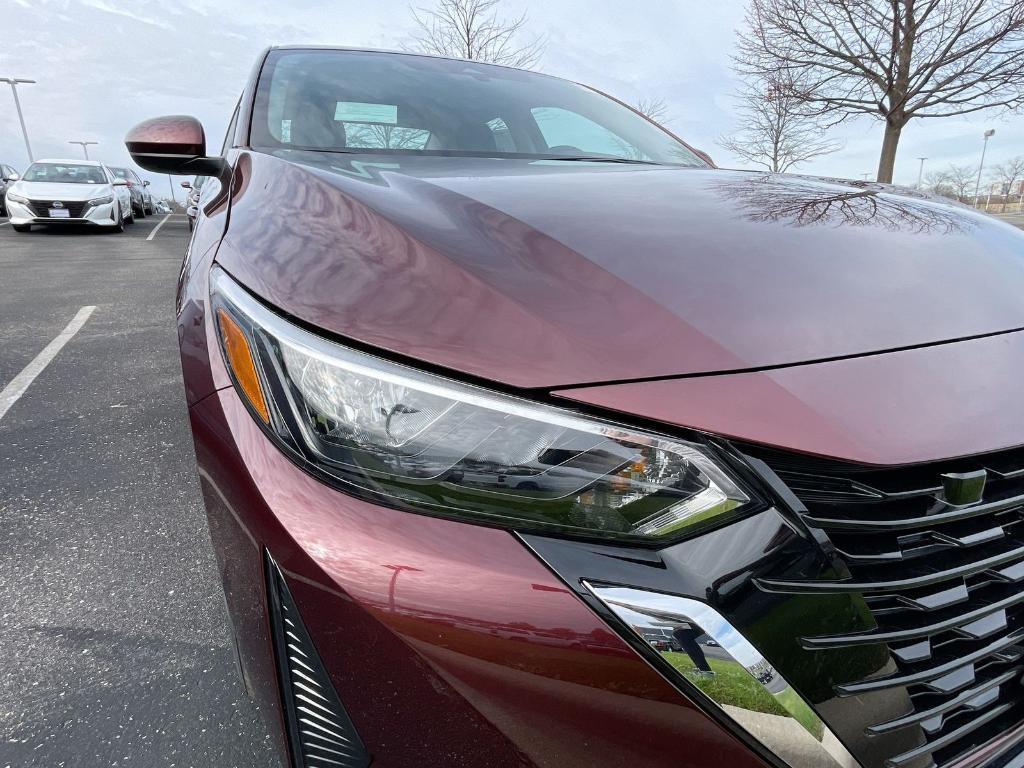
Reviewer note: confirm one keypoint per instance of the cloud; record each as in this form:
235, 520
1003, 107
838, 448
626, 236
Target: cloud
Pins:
99, 5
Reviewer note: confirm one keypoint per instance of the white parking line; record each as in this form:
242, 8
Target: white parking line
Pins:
157, 227
17, 386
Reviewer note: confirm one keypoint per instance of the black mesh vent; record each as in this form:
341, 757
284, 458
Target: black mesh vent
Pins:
321, 735
41, 208
944, 583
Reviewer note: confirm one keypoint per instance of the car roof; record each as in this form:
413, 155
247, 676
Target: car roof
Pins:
66, 161
358, 49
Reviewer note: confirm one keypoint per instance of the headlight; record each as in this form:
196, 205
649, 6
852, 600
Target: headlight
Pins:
16, 198
424, 442
99, 201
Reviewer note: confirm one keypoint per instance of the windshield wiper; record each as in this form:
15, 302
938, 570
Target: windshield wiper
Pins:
586, 159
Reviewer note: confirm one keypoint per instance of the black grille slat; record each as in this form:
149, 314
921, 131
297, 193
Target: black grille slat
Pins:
945, 707
916, 581
41, 208
913, 632
944, 741
943, 585
1014, 503
931, 674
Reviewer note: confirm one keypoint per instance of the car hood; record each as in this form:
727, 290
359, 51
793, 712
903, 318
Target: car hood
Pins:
540, 274
43, 190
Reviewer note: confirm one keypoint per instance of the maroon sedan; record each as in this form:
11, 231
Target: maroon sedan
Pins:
529, 438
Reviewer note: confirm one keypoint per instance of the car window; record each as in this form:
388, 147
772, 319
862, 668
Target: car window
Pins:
121, 173
502, 135
66, 173
568, 132
229, 135
373, 102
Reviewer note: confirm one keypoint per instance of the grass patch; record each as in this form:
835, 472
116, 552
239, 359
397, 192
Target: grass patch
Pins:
733, 685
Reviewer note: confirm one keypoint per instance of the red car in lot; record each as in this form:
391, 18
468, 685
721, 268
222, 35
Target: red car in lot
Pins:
492, 380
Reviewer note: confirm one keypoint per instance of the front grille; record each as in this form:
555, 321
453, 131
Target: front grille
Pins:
41, 208
320, 732
944, 585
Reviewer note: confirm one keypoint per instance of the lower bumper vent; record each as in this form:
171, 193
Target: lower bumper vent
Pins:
321, 735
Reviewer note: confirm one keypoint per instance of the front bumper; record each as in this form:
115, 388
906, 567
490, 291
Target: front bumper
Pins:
100, 215
448, 643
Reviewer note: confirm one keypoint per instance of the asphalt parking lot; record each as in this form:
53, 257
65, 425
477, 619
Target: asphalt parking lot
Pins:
111, 621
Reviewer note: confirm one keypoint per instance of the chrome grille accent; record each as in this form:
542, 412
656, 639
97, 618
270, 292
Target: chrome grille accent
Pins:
944, 585
321, 734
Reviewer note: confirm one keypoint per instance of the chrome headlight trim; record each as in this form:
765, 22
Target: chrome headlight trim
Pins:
307, 380
786, 725
97, 201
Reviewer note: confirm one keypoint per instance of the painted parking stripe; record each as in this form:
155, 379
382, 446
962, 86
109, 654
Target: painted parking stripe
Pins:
157, 227
17, 386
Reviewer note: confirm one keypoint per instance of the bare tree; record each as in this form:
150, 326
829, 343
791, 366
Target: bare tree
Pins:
937, 182
891, 59
960, 180
654, 108
385, 136
773, 132
1008, 174
471, 29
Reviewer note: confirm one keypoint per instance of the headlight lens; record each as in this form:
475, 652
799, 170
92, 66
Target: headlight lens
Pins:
16, 198
100, 201
425, 442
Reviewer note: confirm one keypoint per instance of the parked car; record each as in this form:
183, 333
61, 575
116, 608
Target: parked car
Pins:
195, 189
7, 177
162, 207
69, 192
142, 199
792, 406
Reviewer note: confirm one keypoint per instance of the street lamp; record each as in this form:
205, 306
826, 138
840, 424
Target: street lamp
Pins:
920, 171
84, 145
14, 82
977, 185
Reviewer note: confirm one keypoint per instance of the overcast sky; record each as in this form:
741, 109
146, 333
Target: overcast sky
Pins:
104, 65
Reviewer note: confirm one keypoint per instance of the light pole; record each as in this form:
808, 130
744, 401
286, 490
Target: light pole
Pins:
920, 171
84, 145
977, 185
14, 82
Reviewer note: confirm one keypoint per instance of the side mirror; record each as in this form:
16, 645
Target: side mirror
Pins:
187, 184
120, 183
175, 144
12, 177
145, 183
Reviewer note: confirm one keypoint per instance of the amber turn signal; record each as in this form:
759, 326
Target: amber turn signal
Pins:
236, 347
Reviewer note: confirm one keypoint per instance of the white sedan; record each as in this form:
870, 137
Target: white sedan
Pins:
69, 192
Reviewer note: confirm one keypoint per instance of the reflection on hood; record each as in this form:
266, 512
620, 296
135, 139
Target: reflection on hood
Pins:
820, 201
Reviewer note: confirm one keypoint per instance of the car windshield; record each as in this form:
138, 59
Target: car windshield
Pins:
359, 101
121, 173
65, 173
